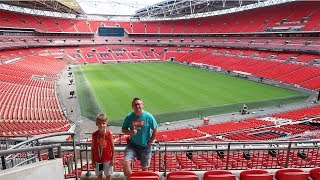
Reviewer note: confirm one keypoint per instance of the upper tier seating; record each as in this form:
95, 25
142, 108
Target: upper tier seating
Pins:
295, 14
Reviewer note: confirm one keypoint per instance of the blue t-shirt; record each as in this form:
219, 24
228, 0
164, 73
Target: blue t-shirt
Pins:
145, 124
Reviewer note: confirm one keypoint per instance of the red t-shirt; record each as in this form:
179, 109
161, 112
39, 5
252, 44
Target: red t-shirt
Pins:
98, 142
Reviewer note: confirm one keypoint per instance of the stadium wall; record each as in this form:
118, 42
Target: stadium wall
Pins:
49, 170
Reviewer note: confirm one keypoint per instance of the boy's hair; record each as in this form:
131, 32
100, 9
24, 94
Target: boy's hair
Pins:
101, 117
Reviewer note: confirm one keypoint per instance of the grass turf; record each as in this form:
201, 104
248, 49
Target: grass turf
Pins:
164, 88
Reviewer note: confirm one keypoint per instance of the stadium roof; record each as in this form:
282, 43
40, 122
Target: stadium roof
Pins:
176, 8
135, 9
61, 6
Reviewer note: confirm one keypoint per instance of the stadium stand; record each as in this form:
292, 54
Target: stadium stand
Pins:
35, 49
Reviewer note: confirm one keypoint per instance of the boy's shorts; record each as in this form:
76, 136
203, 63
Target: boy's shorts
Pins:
107, 169
142, 153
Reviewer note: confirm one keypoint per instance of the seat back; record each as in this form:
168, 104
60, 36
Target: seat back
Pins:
244, 173
220, 177
293, 175
182, 175
143, 175
315, 173
218, 174
258, 177
281, 171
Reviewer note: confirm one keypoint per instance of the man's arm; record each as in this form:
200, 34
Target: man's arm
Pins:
126, 126
153, 136
129, 132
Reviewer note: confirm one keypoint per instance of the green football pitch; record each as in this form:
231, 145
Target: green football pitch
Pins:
170, 91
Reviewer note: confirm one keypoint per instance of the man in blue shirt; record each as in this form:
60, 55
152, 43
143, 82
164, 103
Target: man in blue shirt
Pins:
142, 128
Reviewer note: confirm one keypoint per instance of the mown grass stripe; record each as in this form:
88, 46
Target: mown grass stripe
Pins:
170, 87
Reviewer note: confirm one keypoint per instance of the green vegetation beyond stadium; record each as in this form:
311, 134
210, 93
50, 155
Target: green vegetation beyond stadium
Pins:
170, 91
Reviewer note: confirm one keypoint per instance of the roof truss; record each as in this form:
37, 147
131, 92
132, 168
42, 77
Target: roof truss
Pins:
180, 8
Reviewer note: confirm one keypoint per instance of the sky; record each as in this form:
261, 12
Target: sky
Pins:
114, 7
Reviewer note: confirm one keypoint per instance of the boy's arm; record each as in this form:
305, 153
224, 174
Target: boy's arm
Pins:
112, 149
92, 152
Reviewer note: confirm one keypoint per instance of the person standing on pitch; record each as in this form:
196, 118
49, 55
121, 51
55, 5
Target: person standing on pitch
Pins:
142, 128
102, 148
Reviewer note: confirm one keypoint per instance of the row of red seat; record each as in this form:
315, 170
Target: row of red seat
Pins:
271, 133
299, 114
28, 99
253, 129
219, 160
295, 43
178, 134
283, 71
254, 174
233, 126
100, 54
245, 21
25, 128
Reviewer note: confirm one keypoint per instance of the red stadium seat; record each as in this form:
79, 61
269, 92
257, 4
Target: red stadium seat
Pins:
258, 177
144, 175
315, 173
294, 175
219, 175
291, 173
255, 174
182, 175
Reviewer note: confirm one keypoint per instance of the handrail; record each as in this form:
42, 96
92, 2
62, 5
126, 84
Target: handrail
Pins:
36, 139
236, 143
43, 137
13, 151
229, 151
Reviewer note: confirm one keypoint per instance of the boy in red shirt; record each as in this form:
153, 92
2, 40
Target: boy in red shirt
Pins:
102, 148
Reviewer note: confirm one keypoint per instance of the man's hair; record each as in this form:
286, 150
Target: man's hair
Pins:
135, 99
102, 117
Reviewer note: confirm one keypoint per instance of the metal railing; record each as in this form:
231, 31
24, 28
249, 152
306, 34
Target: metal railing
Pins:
9, 141
17, 157
199, 156
18, 152
194, 156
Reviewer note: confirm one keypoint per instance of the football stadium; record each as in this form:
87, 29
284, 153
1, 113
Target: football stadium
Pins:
234, 87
